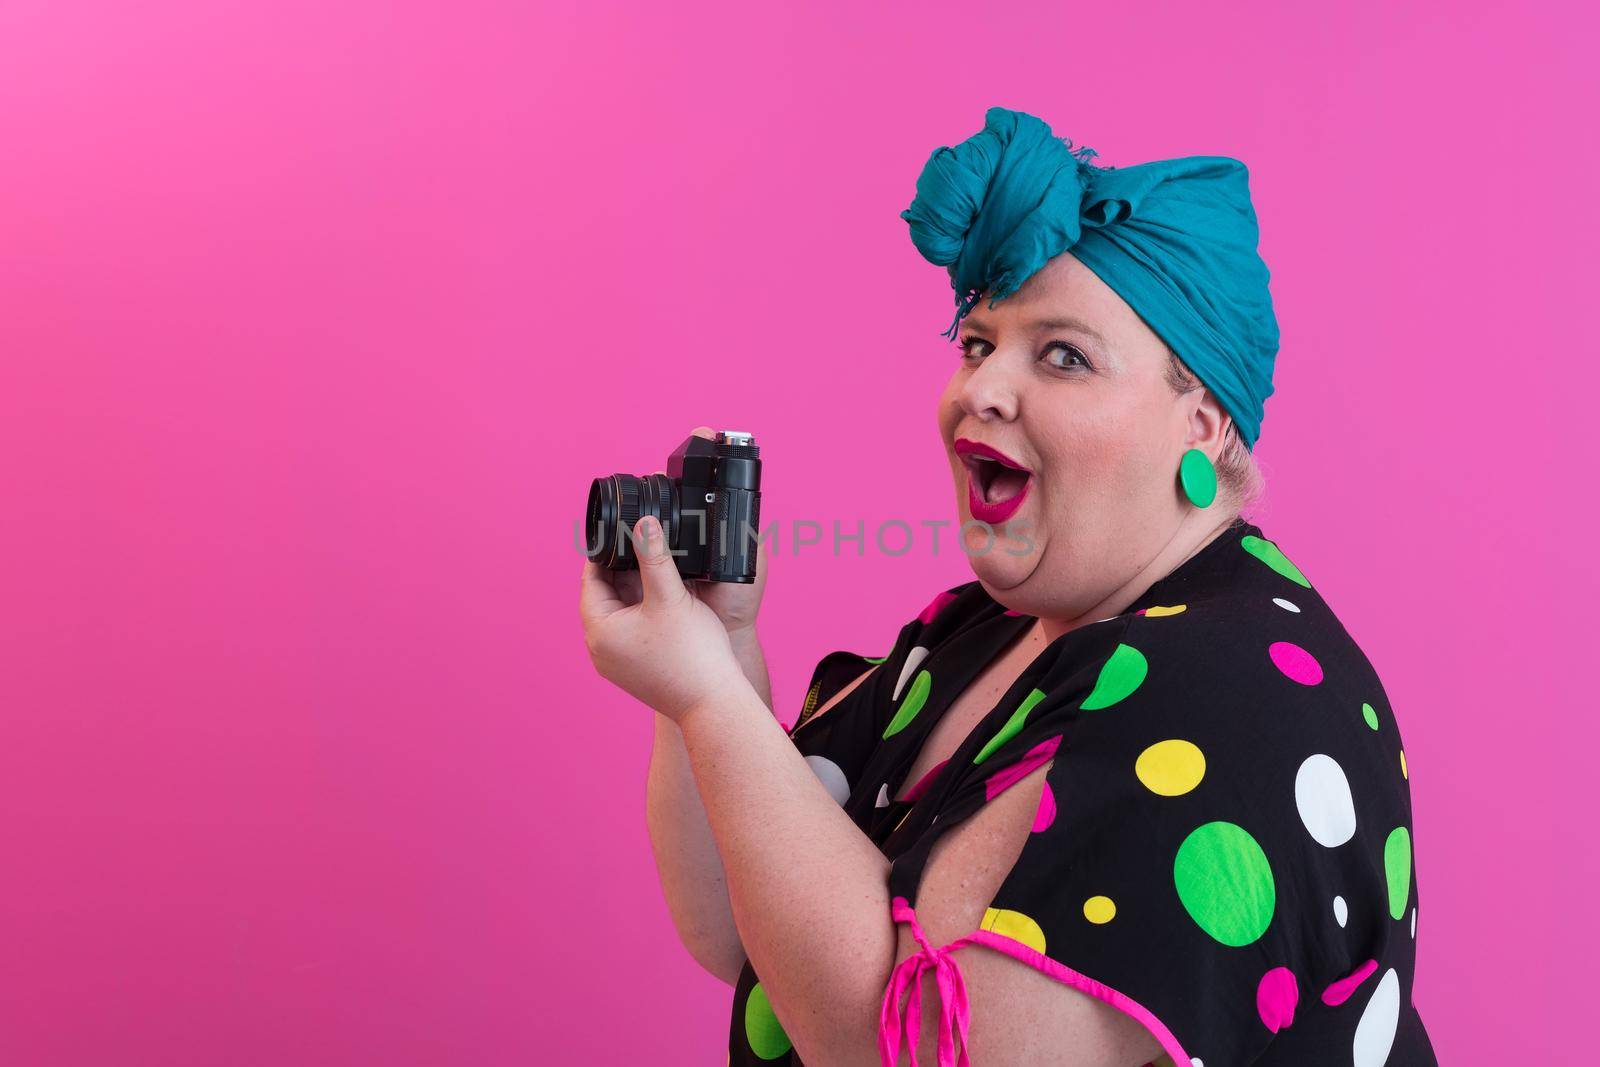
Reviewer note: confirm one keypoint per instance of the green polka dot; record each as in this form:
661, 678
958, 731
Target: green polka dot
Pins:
916, 696
1120, 675
873, 659
1397, 866
1225, 883
762, 1028
1272, 556
1012, 727
1370, 715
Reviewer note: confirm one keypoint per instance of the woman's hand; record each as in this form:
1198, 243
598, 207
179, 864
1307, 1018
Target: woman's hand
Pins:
668, 648
735, 603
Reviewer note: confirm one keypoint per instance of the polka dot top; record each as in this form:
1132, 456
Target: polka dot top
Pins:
1223, 850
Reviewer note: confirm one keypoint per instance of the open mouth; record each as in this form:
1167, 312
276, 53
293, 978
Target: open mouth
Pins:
996, 482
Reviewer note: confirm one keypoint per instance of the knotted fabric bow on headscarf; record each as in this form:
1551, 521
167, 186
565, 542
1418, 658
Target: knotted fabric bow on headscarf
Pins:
1175, 238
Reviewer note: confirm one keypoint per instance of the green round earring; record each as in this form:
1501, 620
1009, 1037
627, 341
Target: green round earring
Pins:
1199, 478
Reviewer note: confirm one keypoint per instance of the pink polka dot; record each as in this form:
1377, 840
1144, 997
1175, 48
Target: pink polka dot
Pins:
1007, 777
1276, 998
1047, 810
1339, 992
935, 606
1295, 662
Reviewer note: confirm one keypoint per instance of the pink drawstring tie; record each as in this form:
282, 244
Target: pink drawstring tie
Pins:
953, 1007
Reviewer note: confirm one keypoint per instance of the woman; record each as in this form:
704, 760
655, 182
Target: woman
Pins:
1133, 794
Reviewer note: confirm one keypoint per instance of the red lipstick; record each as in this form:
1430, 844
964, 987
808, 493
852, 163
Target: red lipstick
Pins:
996, 484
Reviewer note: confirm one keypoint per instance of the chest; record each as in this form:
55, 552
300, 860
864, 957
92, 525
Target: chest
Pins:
973, 704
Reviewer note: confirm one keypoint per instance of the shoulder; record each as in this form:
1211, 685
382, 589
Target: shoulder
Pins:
1255, 709
835, 677
1226, 802
1254, 658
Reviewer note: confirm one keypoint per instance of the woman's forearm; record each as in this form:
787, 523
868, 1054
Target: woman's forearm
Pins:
809, 891
686, 858
687, 862
747, 648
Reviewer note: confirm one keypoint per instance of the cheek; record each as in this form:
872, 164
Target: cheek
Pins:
1121, 430
1093, 461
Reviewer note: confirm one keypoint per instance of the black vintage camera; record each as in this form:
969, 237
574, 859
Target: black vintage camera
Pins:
708, 503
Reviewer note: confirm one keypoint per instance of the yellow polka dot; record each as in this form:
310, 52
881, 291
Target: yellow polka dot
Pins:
1158, 612
1403, 772
1099, 910
1015, 925
1171, 768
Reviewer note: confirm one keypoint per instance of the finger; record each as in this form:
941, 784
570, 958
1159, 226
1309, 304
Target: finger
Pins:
658, 569
627, 586
597, 598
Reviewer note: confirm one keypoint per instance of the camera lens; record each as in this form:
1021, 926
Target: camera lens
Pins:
616, 504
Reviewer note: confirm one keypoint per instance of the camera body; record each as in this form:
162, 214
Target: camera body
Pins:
708, 503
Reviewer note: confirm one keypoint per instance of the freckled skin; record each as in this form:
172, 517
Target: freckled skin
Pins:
1019, 1015
1107, 519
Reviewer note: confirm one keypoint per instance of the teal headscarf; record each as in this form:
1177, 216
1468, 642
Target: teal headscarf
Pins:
1175, 238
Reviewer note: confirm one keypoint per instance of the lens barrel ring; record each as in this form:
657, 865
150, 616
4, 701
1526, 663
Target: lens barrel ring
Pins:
628, 511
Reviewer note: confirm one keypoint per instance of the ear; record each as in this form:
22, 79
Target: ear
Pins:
1208, 422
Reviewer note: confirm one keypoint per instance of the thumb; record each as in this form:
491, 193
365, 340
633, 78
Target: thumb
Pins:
659, 579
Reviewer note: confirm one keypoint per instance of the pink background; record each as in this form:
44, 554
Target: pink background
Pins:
316, 320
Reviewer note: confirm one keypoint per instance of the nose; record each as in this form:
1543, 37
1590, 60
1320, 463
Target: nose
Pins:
990, 391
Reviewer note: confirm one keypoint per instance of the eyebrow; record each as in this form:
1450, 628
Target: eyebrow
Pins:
1056, 323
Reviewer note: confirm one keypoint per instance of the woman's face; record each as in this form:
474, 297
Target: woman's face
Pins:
1067, 381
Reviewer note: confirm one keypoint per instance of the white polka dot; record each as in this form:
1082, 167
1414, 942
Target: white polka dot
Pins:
1413, 922
883, 796
1341, 911
833, 779
1196, 1062
1286, 605
1375, 1031
1322, 793
914, 660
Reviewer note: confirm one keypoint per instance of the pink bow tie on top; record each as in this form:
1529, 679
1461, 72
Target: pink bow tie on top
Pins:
954, 1013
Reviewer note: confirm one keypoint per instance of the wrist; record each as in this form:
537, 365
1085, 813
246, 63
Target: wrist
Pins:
742, 636
718, 702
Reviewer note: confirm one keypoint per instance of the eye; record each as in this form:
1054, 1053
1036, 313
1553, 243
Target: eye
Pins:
966, 344
1071, 352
